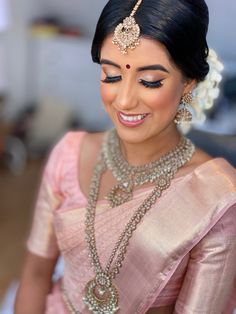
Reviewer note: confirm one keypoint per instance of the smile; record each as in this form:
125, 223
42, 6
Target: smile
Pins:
131, 120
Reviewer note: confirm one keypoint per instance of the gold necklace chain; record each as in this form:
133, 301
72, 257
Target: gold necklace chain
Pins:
101, 295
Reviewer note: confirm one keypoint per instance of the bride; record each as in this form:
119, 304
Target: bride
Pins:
145, 221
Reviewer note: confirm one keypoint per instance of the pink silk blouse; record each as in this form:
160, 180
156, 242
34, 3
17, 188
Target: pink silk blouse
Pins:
183, 252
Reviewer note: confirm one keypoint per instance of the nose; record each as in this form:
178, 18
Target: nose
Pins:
127, 98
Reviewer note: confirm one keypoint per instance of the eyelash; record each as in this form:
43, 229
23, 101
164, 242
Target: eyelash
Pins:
111, 79
155, 84
115, 79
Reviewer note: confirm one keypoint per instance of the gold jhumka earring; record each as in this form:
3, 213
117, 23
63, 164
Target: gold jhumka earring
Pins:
127, 33
184, 114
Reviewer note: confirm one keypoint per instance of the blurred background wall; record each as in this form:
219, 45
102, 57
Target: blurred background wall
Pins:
221, 34
36, 63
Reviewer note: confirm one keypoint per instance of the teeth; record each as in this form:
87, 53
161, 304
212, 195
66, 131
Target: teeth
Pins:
132, 118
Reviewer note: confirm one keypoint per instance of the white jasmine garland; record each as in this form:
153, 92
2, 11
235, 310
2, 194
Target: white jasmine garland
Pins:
207, 91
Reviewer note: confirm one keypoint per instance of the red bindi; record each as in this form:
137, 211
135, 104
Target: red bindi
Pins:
128, 66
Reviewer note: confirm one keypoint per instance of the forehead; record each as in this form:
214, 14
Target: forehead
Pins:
148, 52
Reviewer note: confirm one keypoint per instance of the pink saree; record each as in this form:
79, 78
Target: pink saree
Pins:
182, 253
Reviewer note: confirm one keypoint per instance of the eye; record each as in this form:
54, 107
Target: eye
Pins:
112, 79
155, 84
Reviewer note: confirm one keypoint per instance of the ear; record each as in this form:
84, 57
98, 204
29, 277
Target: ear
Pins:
189, 86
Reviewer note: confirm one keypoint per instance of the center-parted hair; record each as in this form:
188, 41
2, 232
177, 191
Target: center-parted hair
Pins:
180, 25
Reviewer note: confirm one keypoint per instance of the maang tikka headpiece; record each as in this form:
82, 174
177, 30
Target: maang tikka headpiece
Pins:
127, 33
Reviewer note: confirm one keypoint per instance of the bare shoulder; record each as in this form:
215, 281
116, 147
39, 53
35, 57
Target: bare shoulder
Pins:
92, 142
199, 158
89, 150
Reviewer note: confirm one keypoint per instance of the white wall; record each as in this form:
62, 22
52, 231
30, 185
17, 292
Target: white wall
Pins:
4, 14
4, 20
222, 32
3, 69
78, 12
22, 13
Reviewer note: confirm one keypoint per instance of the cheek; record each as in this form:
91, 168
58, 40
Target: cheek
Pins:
165, 99
107, 94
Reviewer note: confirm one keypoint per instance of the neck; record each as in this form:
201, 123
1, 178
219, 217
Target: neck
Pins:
151, 149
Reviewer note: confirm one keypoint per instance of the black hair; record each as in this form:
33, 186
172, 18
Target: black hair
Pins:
180, 25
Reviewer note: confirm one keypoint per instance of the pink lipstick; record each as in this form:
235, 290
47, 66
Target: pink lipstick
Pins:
131, 120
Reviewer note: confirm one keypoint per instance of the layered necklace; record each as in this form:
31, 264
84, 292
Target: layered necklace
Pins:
129, 177
101, 295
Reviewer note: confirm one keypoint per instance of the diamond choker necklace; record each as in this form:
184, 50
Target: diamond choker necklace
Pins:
130, 177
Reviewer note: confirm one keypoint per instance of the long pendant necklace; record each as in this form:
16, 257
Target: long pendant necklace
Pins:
101, 295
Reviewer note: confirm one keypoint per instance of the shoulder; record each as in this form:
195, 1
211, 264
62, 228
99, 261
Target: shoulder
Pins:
90, 146
203, 163
71, 139
209, 180
199, 158
93, 140
74, 143
64, 151
69, 143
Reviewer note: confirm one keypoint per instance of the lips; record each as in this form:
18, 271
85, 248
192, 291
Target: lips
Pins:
131, 120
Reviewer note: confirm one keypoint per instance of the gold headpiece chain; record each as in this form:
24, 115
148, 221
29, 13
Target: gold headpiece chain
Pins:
127, 33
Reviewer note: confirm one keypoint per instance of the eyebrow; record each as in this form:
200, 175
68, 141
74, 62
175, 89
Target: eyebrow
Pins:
105, 61
157, 67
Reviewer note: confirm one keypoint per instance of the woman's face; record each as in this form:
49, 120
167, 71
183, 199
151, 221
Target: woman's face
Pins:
141, 90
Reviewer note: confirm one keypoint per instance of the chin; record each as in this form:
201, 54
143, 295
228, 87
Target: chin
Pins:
133, 135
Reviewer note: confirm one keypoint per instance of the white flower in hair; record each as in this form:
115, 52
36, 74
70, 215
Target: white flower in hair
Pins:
207, 91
